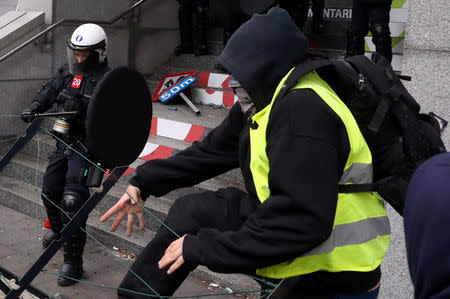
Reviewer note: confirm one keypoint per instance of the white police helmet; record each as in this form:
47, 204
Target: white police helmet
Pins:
87, 37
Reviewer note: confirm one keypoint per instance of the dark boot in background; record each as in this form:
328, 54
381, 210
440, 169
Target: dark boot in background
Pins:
200, 27
381, 37
54, 217
355, 42
185, 24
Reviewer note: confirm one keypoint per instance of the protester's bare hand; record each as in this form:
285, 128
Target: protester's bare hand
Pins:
173, 255
129, 204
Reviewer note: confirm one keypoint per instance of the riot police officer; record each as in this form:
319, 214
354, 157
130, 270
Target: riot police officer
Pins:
63, 185
373, 15
193, 22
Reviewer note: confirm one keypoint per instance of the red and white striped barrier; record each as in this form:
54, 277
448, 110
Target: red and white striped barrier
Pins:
176, 129
223, 97
213, 80
171, 129
213, 97
151, 151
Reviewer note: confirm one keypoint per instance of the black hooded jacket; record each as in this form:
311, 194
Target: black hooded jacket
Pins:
426, 223
307, 147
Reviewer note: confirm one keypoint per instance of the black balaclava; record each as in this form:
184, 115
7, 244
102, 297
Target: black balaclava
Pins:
90, 65
262, 51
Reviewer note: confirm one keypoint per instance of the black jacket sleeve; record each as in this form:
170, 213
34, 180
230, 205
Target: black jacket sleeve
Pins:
49, 92
307, 149
214, 155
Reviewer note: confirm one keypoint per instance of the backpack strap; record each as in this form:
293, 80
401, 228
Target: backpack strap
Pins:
300, 70
373, 187
381, 77
391, 96
357, 188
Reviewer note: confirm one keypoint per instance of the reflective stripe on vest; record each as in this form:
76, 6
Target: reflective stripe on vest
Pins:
361, 231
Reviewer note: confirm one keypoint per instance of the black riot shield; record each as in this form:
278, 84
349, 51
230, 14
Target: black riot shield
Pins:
118, 118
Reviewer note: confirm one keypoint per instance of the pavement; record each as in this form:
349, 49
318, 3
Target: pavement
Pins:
20, 245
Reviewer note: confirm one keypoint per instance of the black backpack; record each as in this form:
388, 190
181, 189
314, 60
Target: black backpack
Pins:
400, 138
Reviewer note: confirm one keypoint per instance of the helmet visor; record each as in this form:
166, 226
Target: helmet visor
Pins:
81, 62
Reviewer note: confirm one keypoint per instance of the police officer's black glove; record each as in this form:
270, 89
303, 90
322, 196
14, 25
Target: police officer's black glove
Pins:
29, 112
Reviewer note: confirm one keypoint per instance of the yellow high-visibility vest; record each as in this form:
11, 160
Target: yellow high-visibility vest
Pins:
361, 231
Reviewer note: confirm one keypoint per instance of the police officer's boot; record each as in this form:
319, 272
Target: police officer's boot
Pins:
381, 37
355, 42
200, 27
73, 248
185, 24
54, 216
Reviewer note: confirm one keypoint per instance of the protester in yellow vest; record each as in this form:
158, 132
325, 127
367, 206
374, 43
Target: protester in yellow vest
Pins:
293, 152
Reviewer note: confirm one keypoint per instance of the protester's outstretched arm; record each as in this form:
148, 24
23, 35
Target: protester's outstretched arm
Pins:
129, 204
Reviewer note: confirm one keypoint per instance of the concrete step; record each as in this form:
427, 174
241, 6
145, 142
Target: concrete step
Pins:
26, 162
22, 198
107, 267
209, 117
15, 24
27, 168
7, 6
184, 63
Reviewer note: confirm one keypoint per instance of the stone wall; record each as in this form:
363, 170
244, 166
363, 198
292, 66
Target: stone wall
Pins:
426, 56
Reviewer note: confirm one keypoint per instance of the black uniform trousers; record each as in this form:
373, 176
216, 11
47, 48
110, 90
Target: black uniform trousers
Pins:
63, 173
225, 209
365, 14
298, 10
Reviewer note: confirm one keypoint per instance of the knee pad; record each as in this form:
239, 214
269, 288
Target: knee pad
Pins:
380, 30
72, 201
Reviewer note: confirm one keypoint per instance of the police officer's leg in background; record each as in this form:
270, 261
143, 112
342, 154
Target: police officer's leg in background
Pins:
379, 26
297, 9
200, 26
74, 196
52, 191
232, 19
357, 30
317, 20
225, 209
185, 12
